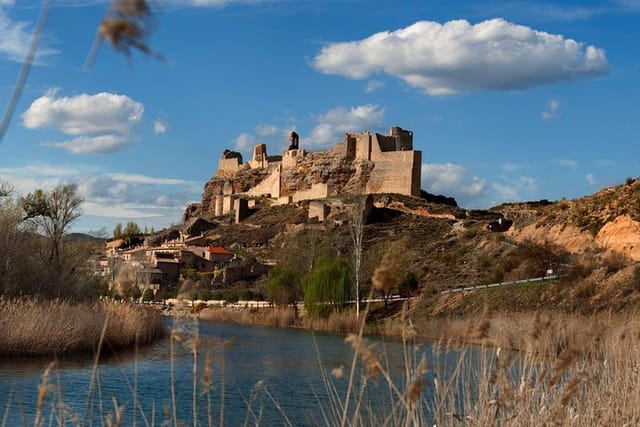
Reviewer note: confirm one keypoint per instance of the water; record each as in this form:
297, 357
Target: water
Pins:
268, 376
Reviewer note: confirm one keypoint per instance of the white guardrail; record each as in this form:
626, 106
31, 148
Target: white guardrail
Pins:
462, 288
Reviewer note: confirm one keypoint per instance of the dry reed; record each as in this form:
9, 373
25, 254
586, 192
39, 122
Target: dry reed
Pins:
32, 327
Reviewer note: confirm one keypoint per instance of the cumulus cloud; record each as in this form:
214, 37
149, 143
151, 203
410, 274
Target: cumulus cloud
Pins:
160, 126
84, 114
93, 144
455, 57
333, 124
552, 110
454, 181
102, 122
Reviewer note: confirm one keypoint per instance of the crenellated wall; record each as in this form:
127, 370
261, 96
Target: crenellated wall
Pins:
369, 162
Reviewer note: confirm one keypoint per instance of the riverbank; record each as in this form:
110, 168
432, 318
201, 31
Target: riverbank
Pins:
36, 327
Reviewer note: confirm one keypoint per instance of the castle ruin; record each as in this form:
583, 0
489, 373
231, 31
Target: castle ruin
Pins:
363, 163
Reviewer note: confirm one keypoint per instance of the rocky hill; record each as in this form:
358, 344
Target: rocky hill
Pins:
594, 242
609, 219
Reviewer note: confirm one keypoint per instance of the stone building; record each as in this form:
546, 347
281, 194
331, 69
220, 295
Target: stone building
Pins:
363, 163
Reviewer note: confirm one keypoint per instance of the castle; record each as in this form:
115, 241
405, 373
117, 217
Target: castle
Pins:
363, 163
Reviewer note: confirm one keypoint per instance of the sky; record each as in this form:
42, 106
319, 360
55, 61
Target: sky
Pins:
508, 100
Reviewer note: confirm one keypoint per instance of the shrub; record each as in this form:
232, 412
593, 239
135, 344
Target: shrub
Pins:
283, 285
231, 297
147, 295
409, 285
247, 295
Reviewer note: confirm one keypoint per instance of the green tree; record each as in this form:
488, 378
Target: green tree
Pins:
117, 231
409, 285
132, 229
283, 285
147, 295
328, 287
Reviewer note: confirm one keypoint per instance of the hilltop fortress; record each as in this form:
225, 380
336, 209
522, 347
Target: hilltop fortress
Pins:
363, 163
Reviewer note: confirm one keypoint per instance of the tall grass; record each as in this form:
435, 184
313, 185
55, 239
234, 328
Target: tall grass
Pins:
34, 327
569, 370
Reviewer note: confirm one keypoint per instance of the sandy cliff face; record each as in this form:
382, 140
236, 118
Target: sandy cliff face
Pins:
568, 237
622, 235
608, 219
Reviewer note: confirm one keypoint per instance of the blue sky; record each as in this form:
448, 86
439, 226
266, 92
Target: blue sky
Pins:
508, 100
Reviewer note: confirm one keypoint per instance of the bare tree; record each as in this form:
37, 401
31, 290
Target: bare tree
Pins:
356, 228
53, 212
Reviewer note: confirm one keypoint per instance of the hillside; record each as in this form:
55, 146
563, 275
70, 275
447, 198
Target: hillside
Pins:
593, 242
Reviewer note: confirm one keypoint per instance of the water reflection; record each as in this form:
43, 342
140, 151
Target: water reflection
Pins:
246, 361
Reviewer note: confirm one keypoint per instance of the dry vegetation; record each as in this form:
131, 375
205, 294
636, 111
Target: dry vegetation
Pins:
569, 370
32, 327
283, 317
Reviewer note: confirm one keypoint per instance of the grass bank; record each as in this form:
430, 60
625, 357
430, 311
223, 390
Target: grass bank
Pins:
282, 317
33, 327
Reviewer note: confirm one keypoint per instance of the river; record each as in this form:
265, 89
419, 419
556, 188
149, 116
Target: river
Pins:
260, 376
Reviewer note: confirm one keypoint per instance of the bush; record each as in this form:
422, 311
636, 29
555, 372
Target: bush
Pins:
231, 297
147, 295
409, 285
247, 295
205, 294
283, 285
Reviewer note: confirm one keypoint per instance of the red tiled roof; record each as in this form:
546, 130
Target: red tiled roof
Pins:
219, 250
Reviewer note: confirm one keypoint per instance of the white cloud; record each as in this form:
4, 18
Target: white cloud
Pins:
454, 57
84, 114
244, 142
453, 181
101, 122
160, 126
373, 85
267, 130
591, 179
110, 197
513, 189
143, 179
15, 37
552, 110
216, 3
336, 122
93, 144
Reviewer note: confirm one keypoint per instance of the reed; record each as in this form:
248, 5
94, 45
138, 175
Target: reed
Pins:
35, 327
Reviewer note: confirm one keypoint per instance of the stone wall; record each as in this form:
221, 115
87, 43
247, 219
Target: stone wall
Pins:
372, 163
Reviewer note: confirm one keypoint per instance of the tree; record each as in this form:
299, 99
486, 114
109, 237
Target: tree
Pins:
328, 287
18, 268
147, 295
356, 228
53, 212
283, 285
117, 231
409, 285
132, 229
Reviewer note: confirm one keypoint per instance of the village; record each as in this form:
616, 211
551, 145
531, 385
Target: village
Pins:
363, 163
